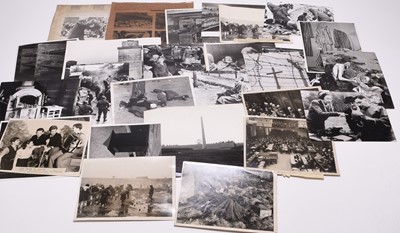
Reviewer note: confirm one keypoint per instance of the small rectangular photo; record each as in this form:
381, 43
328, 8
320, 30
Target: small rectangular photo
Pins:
45, 146
127, 189
137, 20
132, 98
346, 116
282, 145
115, 141
221, 197
38, 99
325, 38
40, 61
207, 134
85, 22
276, 69
282, 103
210, 24
183, 26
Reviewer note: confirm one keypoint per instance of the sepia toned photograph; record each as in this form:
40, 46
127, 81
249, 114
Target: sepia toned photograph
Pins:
127, 189
131, 99
183, 26
137, 20
231, 198
115, 141
276, 69
321, 38
84, 22
282, 145
208, 134
45, 146
38, 99
346, 116
40, 61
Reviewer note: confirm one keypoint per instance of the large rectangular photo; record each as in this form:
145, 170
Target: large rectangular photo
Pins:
127, 189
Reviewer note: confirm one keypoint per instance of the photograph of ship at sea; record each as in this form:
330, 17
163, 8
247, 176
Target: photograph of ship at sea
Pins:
208, 134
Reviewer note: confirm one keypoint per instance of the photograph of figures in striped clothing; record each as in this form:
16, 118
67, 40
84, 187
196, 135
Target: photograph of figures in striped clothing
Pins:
221, 197
127, 189
282, 145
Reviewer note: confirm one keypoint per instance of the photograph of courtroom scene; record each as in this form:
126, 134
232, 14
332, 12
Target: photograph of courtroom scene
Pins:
167, 60
346, 116
282, 145
281, 19
132, 98
84, 28
127, 189
40, 61
116, 141
38, 99
325, 38
45, 146
208, 134
183, 26
353, 71
241, 22
276, 69
220, 197
284, 103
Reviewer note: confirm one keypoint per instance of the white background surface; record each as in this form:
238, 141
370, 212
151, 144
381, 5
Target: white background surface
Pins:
365, 198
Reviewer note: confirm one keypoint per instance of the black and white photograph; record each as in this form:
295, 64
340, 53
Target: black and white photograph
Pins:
183, 26
127, 189
325, 38
132, 98
38, 99
85, 22
220, 197
276, 69
282, 103
346, 116
45, 146
241, 22
116, 141
353, 71
210, 24
40, 61
282, 145
208, 134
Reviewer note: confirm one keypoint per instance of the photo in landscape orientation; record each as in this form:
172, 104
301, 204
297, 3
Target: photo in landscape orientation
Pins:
141, 188
183, 26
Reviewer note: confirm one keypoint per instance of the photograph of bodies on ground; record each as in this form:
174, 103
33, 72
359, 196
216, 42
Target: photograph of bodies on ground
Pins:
45, 146
231, 198
38, 99
276, 69
127, 189
324, 38
208, 134
94, 94
346, 116
85, 22
353, 71
281, 19
40, 61
183, 26
116, 141
132, 98
282, 103
282, 145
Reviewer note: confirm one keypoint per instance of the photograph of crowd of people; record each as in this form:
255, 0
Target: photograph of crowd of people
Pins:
282, 145
223, 197
353, 71
346, 116
183, 26
132, 98
38, 99
127, 189
116, 141
324, 38
44, 146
